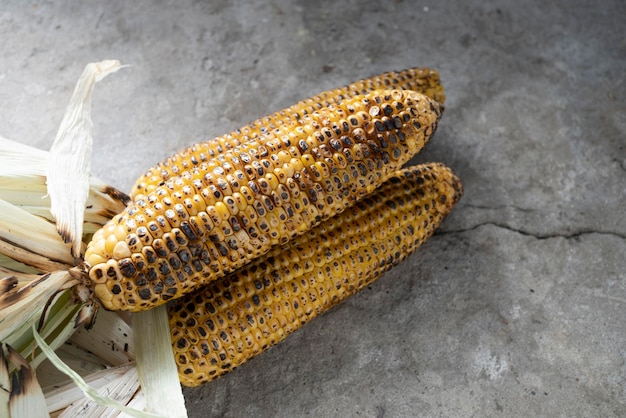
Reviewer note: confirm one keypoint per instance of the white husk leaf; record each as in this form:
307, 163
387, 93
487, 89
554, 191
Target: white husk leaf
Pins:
153, 347
70, 156
81, 361
121, 389
111, 339
63, 397
26, 399
17, 318
18, 226
90, 392
21, 160
138, 402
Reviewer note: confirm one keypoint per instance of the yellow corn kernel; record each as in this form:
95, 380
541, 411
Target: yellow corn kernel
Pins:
190, 250
422, 80
225, 323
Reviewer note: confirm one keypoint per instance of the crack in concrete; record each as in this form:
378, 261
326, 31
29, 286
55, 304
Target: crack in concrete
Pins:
575, 234
486, 207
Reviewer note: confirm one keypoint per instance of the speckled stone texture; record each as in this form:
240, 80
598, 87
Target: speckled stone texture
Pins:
514, 308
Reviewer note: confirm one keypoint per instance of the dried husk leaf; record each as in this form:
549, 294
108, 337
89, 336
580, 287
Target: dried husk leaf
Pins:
20, 310
32, 233
60, 398
26, 399
70, 157
122, 389
111, 339
105, 399
160, 384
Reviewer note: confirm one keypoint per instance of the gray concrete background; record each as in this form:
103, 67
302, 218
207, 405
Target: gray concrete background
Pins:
515, 308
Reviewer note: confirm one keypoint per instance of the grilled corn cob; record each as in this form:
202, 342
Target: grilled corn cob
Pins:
232, 207
422, 80
220, 326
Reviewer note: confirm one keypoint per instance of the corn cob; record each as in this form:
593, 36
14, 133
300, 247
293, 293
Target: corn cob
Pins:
220, 326
422, 80
235, 206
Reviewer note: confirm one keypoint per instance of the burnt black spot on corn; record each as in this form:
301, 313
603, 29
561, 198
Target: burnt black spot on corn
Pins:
225, 323
422, 80
232, 207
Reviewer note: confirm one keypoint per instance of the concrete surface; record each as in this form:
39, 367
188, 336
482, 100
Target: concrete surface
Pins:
515, 308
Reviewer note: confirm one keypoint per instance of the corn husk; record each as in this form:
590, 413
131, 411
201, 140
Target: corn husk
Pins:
49, 207
68, 175
26, 398
160, 384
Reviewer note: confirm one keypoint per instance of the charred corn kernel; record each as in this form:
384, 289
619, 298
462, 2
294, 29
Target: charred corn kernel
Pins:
223, 324
423, 80
184, 251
